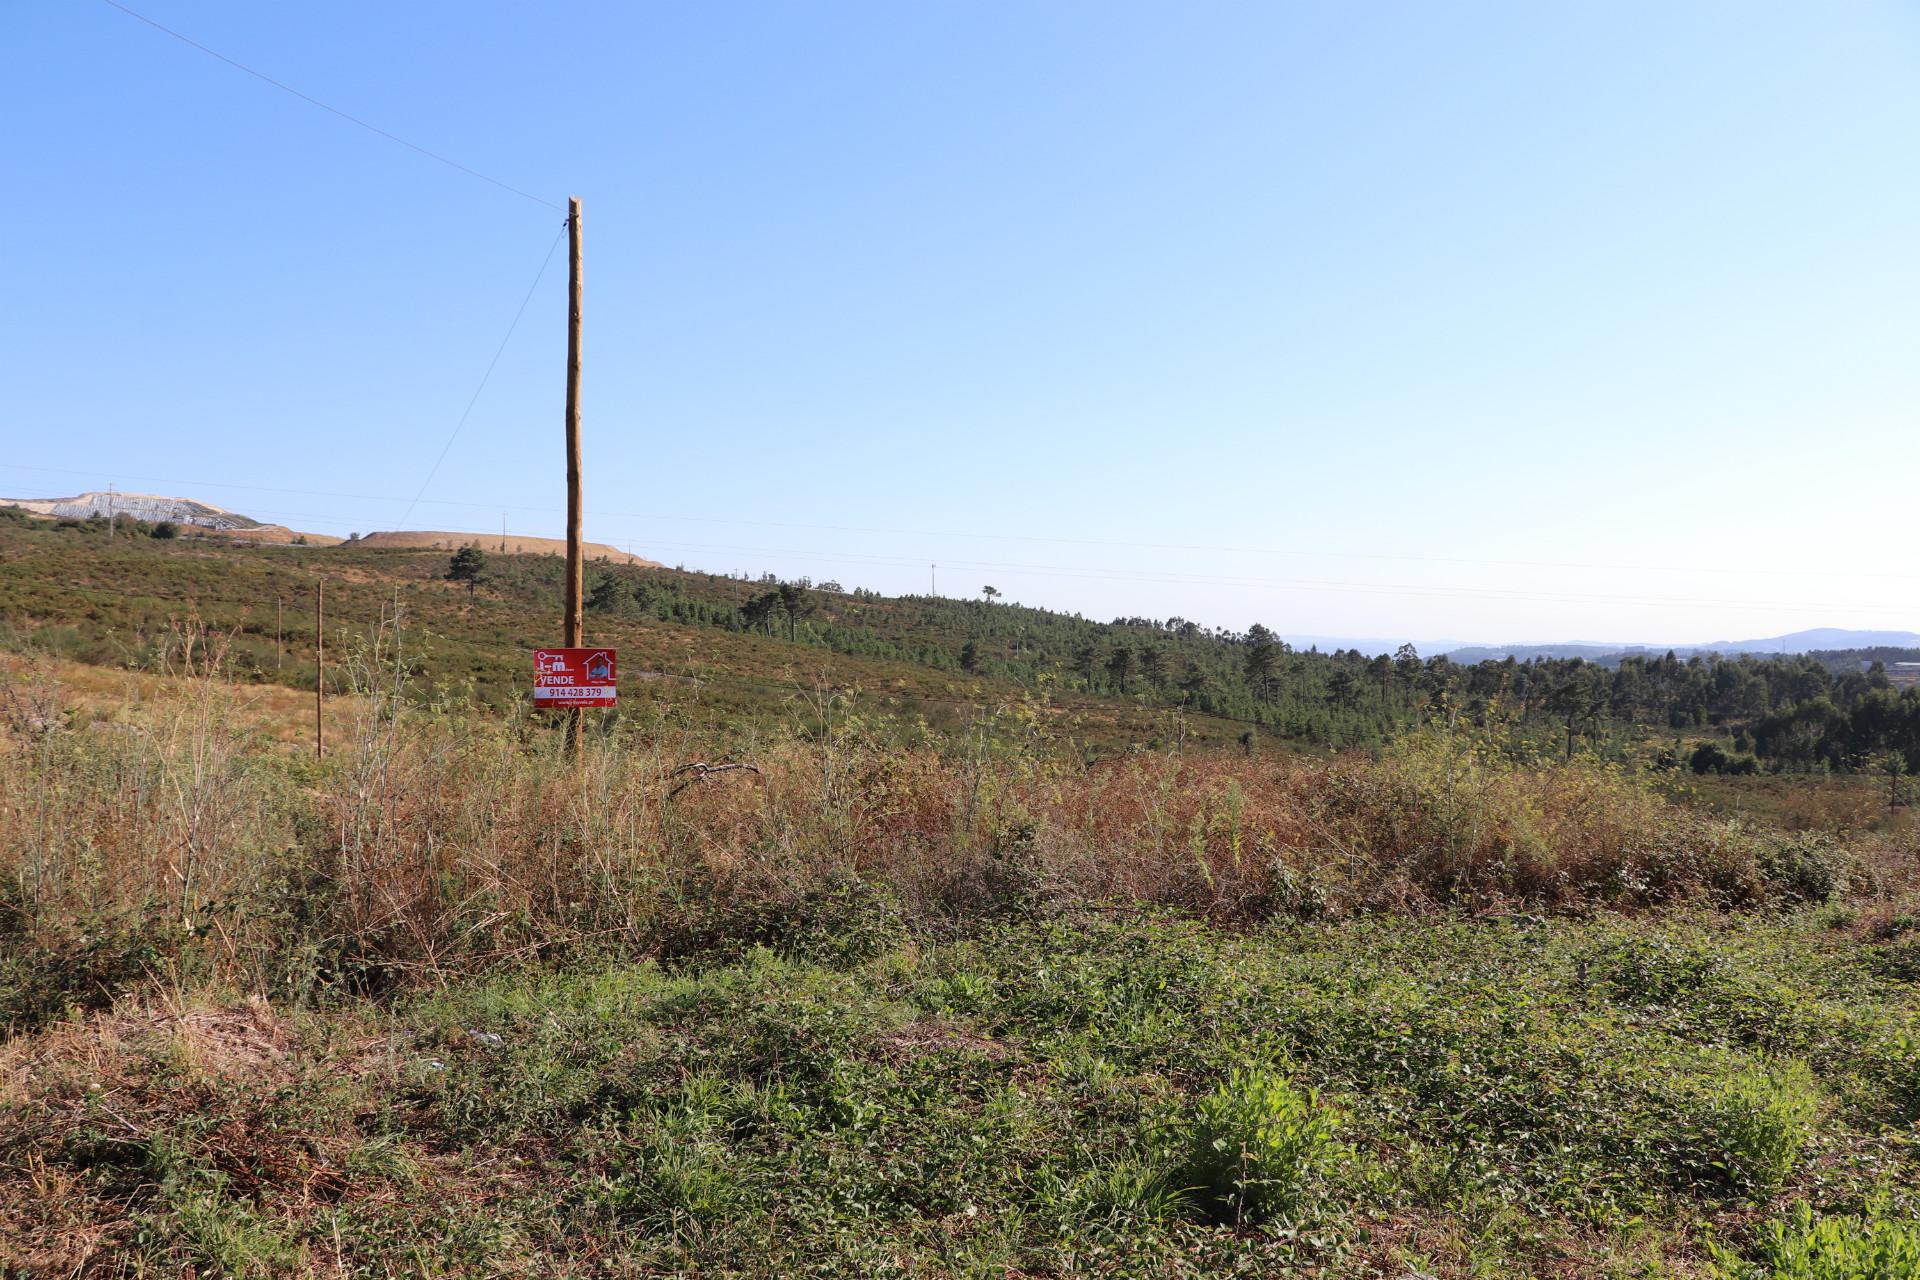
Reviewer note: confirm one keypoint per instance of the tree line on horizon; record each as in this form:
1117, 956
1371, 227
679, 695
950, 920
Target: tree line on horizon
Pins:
1815, 711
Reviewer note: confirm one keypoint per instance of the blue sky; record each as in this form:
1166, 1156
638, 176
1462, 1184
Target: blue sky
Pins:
1485, 321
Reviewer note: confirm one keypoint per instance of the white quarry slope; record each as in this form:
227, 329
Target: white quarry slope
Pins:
137, 506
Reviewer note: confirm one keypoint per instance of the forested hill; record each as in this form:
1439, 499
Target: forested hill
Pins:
1833, 709
67, 588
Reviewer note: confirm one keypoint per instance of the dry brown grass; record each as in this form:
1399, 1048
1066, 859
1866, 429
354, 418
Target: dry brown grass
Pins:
431, 842
82, 694
112, 1082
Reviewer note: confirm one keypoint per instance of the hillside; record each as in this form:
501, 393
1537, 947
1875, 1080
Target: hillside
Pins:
990, 946
136, 506
453, 1001
724, 649
70, 592
509, 544
138, 512
1817, 639
203, 519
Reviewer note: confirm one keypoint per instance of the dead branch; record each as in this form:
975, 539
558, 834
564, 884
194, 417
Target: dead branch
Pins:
699, 771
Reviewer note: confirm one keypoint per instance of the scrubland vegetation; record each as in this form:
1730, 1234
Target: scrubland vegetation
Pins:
894, 1002
735, 647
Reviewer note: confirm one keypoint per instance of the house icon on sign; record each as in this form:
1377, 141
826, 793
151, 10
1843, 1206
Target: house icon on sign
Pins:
600, 666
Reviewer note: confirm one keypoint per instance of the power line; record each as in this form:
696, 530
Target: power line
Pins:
349, 118
538, 276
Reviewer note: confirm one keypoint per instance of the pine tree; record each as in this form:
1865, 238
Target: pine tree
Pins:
1263, 654
467, 565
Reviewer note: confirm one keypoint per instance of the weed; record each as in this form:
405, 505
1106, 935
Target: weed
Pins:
1259, 1149
1759, 1120
1809, 1246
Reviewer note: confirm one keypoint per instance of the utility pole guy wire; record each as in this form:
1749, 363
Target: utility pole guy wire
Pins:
332, 110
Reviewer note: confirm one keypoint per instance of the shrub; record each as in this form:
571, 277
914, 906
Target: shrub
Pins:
844, 921
1897, 1063
47, 972
164, 530
1809, 867
1897, 959
1708, 758
840, 921
1759, 1121
1258, 1150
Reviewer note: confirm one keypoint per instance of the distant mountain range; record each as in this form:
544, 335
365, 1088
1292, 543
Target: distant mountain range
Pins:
1814, 640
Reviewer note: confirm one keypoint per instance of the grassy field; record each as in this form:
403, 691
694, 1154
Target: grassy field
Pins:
448, 1003
1070, 1095
725, 651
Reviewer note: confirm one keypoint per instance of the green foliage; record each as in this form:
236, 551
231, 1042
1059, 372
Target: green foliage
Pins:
845, 921
1259, 1149
1810, 1246
469, 565
1806, 867
1759, 1120
1045, 1098
216, 1230
1655, 970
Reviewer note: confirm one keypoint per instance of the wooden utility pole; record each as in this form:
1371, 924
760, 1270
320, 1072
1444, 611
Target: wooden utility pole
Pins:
279, 644
319, 667
575, 561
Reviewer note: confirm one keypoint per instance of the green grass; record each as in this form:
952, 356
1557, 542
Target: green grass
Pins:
1069, 1097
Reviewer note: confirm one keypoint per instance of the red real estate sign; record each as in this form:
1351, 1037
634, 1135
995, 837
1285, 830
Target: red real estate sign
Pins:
574, 677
